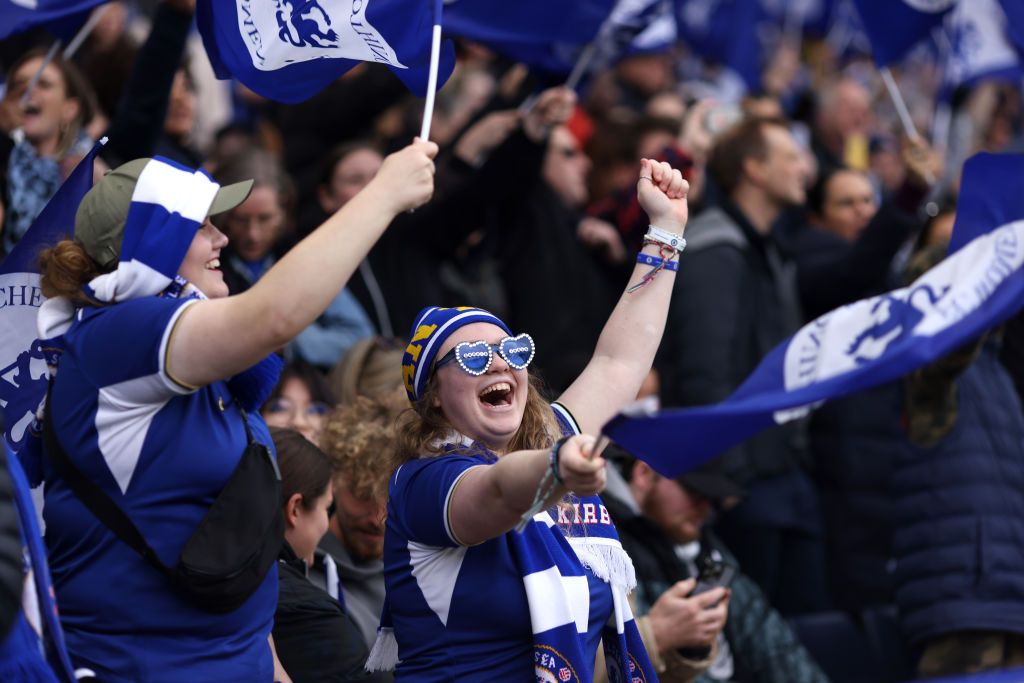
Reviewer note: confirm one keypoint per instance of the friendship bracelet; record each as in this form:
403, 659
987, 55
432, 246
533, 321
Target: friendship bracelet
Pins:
664, 263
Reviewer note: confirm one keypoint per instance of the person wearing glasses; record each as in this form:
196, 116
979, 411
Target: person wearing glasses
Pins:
470, 597
300, 401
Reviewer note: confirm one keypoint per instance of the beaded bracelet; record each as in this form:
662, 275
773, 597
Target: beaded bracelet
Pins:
547, 485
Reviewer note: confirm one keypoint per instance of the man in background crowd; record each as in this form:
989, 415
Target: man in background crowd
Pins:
733, 302
661, 524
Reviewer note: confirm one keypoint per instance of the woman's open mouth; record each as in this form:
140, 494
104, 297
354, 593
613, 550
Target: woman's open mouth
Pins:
497, 395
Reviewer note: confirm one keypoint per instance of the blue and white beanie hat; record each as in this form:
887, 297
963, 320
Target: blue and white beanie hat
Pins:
433, 325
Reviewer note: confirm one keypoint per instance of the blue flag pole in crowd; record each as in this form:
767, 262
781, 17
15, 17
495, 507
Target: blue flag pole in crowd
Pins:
866, 343
896, 26
627, 21
979, 47
23, 359
548, 37
60, 17
724, 31
1014, 10
291, 50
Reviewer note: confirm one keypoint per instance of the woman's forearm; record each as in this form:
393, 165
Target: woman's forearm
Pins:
633, 332
506, 490
219, 338
306, 280
625, 350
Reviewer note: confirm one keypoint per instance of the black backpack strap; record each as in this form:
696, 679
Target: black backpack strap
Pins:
98, 502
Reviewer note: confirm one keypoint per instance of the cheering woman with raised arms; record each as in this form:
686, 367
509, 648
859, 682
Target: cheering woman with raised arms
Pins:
470, 597
154, 409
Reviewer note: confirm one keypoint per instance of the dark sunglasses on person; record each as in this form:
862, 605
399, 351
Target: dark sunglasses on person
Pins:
476, 357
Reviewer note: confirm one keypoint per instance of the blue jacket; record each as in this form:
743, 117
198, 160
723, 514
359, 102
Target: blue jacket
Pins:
857, 440
959, 537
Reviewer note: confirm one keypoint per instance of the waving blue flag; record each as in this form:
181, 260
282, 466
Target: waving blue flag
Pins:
290, 50
1014, 10
811, 15
613, 29
865, 343
896, 26
979, 46
23, 375
845, 33
61, 16
726, 32
526, 21
546, 36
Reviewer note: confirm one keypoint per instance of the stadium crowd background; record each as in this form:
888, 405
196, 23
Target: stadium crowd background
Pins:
879, 539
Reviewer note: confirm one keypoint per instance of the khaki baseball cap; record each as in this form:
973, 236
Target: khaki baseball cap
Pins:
99, 223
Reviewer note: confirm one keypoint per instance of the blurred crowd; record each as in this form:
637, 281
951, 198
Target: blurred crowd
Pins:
880, 538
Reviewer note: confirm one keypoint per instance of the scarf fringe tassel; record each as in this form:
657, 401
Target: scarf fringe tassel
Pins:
384, 655
610, 563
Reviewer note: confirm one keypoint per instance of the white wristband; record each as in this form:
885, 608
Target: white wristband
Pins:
669, 239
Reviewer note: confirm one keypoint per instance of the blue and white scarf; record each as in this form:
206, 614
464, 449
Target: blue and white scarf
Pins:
549, 570
553, 565
169, 204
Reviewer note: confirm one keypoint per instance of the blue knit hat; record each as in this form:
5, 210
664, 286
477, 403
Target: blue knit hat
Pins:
433, 325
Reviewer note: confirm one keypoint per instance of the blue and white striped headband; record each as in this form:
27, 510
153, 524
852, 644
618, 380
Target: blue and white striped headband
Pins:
432, 327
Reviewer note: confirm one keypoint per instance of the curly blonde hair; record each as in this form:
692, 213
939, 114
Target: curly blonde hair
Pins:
423, 429
360, 439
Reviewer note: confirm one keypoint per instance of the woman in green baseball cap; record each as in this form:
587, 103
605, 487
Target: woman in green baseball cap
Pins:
155, 404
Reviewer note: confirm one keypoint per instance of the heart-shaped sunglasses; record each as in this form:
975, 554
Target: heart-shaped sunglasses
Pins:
476, 357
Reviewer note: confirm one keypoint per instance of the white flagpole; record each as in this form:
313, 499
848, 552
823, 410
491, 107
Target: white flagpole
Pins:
902, 111
69, 51
50, 54
579, 70
84, 32
435, 57
897, 100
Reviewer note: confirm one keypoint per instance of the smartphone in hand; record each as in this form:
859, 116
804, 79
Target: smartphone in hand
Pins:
714, 573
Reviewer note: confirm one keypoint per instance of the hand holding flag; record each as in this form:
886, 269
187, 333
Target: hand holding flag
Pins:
406, 179
62, 17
